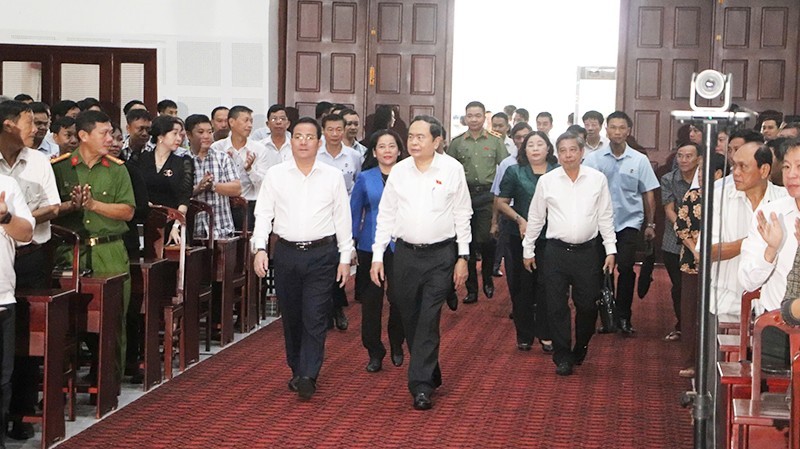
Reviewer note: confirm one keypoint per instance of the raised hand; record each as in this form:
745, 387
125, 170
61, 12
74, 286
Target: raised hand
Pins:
87, 201
771, 230
76, 197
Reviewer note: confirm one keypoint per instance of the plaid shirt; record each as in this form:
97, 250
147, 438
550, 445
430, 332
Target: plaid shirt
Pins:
221, 166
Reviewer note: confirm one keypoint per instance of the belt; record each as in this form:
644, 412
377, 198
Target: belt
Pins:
28, 249
480, 189
572, 246
94, 241
305, 246
426, 246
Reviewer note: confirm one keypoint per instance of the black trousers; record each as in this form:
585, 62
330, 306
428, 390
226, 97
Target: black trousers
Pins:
372, 308
528, 297
626, 279
31, 270
238, 219
482, 242
580, 269
421, 281
303, 287
673, 266
501, 248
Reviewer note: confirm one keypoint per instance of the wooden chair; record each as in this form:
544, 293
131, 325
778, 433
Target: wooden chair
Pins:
203, 283
246, 282
173, 306
41, 331
769, 409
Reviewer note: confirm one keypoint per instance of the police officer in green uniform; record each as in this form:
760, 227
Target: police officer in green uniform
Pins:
97, 201
479, 151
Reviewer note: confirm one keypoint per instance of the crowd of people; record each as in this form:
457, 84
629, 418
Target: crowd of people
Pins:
414, 211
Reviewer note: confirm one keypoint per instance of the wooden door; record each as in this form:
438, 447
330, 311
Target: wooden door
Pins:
663, 43
410, 57
325, 53
757, 42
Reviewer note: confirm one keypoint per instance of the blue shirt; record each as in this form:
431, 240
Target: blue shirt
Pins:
364, 202
629, 176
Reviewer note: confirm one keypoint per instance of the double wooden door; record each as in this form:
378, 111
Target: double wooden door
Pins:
365, 53
663, 41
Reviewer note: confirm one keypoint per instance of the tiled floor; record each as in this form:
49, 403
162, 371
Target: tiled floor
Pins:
130, 393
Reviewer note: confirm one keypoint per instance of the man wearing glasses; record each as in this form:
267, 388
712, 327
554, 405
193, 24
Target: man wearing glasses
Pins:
308, 202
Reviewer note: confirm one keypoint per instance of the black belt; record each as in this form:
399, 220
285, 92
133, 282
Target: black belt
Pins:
426, 246
479, 189
28, 249
572, 246
305, 246
94, 241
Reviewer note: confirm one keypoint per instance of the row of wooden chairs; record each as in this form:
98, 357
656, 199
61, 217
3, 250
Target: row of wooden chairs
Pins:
742, 380
173, 288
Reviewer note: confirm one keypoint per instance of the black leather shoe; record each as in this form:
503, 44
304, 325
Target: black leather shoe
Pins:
452, 300
564, 369
21, 431
605, 330
524, 346
306, 387
397, 356
497, 273
340, 319
422, 401
293, 383
374, 365
471, 298
488, 290
547, 348
626, 328
579, 355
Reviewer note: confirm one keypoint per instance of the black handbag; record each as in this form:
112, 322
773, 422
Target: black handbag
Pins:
607, 306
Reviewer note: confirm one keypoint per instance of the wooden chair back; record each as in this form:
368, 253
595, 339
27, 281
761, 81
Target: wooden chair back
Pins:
745, 325
63, 236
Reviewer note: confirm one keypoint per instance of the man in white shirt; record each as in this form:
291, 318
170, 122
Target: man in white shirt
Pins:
277, 137
593, 123
348, 161
219, 122
311, 211
734, 209
352, 126
252, 160
574, 201
426, 207
32, 172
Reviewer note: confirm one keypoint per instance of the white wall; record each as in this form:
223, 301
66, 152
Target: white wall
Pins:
190, 37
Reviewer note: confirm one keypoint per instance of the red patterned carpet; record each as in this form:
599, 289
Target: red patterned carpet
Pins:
624, 396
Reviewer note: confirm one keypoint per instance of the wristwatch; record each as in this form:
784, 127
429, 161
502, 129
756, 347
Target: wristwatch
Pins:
6, 219
651, 225
464, 256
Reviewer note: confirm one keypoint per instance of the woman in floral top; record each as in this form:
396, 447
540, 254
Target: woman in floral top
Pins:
687, 228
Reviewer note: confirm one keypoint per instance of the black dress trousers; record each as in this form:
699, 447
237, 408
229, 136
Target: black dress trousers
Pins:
303, 286
372, 308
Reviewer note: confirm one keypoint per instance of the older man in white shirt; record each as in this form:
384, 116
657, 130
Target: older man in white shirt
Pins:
575, 202
252, 160
309, 205
426, 207
277, 137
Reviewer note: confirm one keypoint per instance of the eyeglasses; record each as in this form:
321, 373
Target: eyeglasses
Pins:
305, 137
278, 119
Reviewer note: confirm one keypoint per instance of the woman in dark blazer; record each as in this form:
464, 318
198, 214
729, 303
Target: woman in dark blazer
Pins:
169, 176
384, 150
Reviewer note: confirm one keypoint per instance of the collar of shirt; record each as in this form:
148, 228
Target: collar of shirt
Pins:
293, 166
483, 135
563, 173
625, 154
342, 152
21, 157
270, 144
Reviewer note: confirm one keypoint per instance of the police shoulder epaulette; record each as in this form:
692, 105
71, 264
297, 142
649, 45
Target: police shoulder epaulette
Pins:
60, 158
114, 159
460, 135
495, 133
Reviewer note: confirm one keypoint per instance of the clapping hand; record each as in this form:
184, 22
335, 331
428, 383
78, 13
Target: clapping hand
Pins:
3, 205
249, 159
87, 201
76, 197
771, 230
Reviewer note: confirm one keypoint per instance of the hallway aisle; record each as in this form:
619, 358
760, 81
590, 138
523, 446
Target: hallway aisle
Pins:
624, 396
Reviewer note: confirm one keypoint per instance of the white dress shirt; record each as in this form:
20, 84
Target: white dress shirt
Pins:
587, 149
15, 200
348, 161
424, 207
754, 271
304, 207
261, 134
251, 180
285, 151
511, 147
34, 175
735, 220
574, 211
